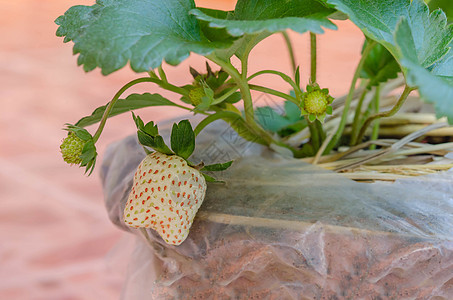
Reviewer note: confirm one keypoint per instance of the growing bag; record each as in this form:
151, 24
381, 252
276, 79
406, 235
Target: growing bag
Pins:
279, 228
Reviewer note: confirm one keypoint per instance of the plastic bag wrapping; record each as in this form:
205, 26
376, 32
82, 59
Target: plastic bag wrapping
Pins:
282, 229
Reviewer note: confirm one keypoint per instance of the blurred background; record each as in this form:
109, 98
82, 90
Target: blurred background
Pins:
56, 239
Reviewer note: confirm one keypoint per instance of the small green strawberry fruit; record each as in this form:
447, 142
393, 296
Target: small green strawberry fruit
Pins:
78, 148
316, 103
71, 149
196, 94
165, 196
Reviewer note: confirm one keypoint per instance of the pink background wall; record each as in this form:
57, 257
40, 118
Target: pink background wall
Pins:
55, 235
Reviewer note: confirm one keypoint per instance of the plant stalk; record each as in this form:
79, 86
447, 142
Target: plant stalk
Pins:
314, 136
312, 57
242, 84
290, 51
394, 110
224, 96
113, 101
357, 114
376, 103
273, 92
283, 76
214, 117
322, 133
246, 97
348, 100
162, 74
118, 94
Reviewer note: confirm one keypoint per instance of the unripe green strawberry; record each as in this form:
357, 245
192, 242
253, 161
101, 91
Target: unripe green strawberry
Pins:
196, 94
315, 102
71, 148
166, 194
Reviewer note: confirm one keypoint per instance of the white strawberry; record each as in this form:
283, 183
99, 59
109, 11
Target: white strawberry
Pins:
166, 195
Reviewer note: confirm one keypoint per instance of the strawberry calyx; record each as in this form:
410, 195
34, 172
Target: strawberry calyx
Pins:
207, 88
182, 144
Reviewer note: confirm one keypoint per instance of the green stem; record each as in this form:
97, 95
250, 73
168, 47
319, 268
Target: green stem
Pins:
312, 57
247, 98
162, 74
245, 57
153, 74
115, 98
394, 110
224, 96
273, 92
314, 136
231, 115
173, 88
283, 76
113, 101
244, 64
214, 117
375, 132
322, 133
290, 50
357, 114
243, 86
333, 142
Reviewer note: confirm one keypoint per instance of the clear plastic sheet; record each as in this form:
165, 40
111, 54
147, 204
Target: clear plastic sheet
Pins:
282, 229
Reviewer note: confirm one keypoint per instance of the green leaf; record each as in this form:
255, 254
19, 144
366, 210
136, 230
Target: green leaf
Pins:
209, 178
217, 167
293, 128
432, 88
233, 98
132, 102
212, 33
445, 5
379, 66
435, 84
297, 76
419, 40
444, 67
253, 17
270, 120
285, 125
292, 111
183, 139
379, 19
241, 127
242, 45
112, 32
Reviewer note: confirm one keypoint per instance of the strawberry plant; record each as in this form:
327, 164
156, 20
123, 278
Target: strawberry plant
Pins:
402, 39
